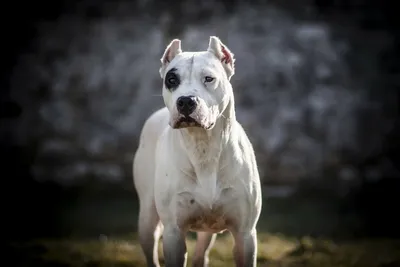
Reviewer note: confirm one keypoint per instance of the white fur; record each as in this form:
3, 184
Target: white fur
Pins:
204, 178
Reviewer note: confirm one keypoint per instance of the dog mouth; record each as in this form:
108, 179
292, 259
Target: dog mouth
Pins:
185, 122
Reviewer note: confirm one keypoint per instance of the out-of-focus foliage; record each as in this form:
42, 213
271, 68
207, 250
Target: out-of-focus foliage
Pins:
88, 84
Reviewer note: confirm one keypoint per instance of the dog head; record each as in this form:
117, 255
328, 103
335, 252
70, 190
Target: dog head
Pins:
196, 85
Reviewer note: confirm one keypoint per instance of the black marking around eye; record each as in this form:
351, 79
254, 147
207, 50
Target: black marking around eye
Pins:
172, 79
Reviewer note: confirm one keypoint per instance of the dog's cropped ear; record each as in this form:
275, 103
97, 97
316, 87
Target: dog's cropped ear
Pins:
223, 54
173, 49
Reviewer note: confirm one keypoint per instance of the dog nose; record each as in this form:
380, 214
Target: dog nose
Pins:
186, 105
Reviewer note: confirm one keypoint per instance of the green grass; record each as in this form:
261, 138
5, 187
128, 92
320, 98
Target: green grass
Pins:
274, 250
99, 230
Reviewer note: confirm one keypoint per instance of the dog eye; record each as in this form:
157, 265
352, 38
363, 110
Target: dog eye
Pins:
172, 80
208, 79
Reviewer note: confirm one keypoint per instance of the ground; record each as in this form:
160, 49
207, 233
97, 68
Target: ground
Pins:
99, 230
274, 251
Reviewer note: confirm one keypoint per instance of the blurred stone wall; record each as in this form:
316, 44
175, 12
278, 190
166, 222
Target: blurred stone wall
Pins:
88, 83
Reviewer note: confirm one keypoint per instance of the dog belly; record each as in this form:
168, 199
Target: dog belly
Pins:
196, 215
213, 222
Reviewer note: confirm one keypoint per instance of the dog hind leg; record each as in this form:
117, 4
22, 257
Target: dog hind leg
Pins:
204, 243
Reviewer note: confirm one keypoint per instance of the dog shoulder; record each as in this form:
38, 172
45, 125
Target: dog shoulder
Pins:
241, 136
244, 147
154, 125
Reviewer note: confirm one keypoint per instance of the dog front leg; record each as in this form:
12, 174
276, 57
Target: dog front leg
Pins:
174, 246
245, 249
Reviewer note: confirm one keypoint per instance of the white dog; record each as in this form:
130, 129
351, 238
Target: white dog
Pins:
195, 168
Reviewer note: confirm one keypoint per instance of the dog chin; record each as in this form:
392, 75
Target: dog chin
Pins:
186, 122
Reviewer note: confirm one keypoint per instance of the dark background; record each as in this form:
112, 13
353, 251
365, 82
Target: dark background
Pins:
316, 88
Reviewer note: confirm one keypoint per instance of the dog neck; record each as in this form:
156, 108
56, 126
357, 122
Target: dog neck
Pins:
205, 146
204, 149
